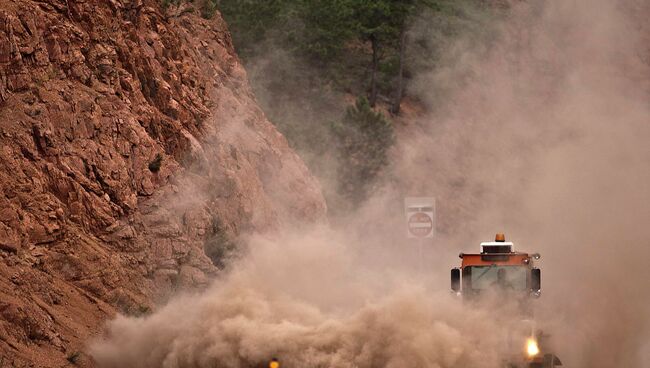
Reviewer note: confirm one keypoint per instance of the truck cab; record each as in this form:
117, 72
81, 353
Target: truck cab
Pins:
497, 266
499, 270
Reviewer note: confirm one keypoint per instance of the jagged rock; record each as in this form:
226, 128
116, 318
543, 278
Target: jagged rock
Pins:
90, 94
8, 246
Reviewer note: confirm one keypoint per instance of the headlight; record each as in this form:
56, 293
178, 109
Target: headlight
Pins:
531, 347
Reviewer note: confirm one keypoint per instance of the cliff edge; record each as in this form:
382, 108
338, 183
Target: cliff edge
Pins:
132, 157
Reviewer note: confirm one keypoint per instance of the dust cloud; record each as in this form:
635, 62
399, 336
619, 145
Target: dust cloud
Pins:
544, 136
549, 143
301, 299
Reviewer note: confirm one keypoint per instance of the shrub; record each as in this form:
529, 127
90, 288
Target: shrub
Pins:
73, 357
219, 246
364, 137
154, 166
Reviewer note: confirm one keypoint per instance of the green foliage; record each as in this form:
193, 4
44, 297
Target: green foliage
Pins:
251, 21
382, 19
154, 166
73, 357
167, 3
209, 8
328, 26
304, 57
219, 246
143, 310
363, 137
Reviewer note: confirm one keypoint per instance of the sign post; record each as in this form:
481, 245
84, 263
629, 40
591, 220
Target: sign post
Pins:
420, 216
420, 221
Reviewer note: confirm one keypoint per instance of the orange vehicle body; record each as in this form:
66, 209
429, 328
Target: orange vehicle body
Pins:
511, 259
515, 276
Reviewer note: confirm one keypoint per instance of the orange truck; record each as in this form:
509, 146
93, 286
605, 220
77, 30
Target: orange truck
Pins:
499, 270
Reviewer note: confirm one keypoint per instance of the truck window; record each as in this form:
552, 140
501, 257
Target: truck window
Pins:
486, 277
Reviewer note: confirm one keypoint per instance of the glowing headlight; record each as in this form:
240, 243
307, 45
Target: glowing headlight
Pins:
531, 347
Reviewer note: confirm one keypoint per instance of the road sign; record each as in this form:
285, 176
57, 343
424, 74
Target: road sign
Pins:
420, 225
420, 216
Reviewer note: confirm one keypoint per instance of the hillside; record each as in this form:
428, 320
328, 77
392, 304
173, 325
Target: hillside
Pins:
133, 156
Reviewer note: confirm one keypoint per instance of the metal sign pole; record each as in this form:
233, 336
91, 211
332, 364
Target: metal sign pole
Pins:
420, 221
421, 255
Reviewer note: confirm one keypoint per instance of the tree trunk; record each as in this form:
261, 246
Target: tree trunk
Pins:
372, 99
400, 73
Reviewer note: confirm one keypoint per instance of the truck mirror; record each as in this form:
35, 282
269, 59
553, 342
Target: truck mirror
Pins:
536, 279
455, 279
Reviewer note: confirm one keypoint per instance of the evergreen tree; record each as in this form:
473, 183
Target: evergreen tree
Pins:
364, 137
380, 23
333, 48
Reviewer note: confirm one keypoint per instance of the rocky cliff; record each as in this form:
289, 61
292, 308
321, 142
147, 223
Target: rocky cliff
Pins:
133, 156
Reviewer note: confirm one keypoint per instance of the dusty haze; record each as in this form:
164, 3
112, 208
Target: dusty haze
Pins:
546, 140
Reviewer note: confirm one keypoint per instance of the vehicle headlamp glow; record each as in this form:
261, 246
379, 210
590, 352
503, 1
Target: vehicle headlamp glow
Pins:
531, 347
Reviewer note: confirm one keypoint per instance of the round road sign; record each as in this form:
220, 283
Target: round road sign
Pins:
420, 224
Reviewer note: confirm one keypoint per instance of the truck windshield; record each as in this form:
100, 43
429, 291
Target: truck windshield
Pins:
486, 277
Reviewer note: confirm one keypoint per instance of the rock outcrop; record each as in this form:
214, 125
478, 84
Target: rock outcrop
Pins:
132, 157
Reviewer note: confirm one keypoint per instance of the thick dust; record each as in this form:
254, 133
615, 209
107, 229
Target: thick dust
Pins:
549, 143
544, 136
301, 299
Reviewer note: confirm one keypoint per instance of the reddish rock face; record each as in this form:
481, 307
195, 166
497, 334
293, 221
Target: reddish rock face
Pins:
132, 156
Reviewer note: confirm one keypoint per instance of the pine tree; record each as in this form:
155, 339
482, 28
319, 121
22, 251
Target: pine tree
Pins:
364, 137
